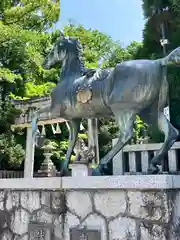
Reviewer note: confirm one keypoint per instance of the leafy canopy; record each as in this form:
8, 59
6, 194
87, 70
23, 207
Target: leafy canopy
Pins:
23, 43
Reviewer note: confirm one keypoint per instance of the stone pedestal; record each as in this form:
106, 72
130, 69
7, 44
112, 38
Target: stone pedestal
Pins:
48, 168
79, 169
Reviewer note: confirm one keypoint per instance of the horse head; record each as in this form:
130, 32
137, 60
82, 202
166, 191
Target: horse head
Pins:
60, 50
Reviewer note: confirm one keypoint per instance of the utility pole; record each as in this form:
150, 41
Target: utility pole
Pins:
164, 42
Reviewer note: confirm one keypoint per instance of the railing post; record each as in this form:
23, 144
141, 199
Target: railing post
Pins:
144, 161
132, 162
117, 161
172, 161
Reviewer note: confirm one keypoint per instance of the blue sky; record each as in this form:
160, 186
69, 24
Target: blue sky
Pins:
118, 18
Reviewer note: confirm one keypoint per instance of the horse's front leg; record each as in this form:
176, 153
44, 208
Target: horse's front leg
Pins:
74, 127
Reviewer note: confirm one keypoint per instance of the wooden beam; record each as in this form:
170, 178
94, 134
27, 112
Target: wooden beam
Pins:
40, 123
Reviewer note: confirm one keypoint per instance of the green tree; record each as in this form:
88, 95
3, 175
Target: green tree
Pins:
23, 43
165, 12
96, 45
117, 54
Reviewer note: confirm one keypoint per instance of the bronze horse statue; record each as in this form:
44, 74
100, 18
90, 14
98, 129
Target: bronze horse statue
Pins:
130, 88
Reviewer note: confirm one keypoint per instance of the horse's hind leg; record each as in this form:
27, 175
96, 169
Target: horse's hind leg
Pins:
171, 134
124, 119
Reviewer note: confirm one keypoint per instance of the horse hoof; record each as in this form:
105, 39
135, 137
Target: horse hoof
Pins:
153, 169
98, 171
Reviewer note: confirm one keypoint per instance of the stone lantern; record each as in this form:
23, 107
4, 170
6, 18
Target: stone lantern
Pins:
48, 168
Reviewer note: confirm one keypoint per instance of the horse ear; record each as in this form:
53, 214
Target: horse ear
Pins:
61, 35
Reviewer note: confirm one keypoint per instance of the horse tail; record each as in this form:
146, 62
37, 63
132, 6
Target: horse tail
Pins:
173, 58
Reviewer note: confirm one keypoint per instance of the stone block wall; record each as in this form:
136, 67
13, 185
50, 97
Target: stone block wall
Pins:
125, 214
19, 210
118, 213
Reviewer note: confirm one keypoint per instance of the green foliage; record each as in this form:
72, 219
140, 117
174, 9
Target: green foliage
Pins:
96, 45
23, 45
61, 148
117, 54
32, 90
151, 6
7, 75
37, 14
140, 129
153, 49
84, 136
12, 154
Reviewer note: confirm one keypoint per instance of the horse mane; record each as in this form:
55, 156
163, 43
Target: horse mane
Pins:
88, 72
80, 56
